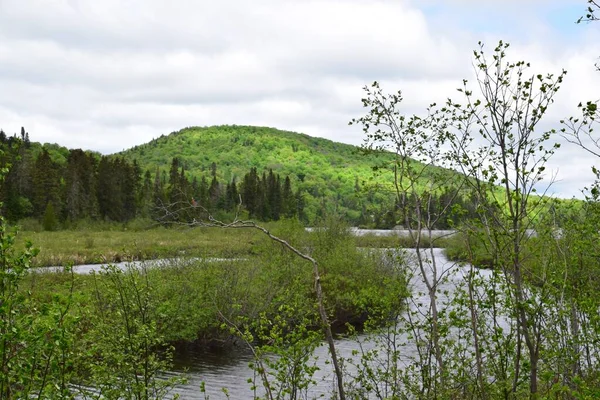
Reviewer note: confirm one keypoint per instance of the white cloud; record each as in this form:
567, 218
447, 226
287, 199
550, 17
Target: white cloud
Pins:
108, 75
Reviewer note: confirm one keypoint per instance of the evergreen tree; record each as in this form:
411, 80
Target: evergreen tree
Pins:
50, 221
300, 206
16, 187
288, 202
232, 196
214, 192
145, 195
80, 191
250, 189
264, 211
128, 182
176, 192
273, 195
106, 193
159, 196
46, 186
203, 195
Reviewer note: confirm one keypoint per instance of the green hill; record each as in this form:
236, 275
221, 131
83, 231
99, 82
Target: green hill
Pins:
333, 175
325, 177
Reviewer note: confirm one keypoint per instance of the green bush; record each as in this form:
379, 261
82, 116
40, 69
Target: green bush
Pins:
50, 221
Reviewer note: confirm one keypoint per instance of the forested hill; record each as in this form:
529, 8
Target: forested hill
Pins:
331, 175
277, 174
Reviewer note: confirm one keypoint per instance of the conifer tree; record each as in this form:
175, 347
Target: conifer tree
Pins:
288, 202
50, 221
250, 189
214, 192
159, 196
80, 191
46, 185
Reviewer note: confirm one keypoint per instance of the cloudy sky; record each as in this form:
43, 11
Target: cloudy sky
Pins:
107, 75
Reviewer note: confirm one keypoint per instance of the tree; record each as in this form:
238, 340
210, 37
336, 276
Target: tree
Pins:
250, 192
492, 137
46, 183
232, 197
592, 14
504, 117
80, 196
417, 179
16, 185
50, 221
288, 206
106, 189
159, 196
214, 192
34, 341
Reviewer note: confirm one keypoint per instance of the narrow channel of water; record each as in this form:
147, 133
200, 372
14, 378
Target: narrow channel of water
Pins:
123, 266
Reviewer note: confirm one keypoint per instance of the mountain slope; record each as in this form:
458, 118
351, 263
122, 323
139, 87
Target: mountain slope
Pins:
334, 174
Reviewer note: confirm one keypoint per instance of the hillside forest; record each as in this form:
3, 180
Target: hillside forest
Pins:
62, 187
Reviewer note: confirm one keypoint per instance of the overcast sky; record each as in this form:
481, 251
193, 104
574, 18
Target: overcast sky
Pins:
107, 75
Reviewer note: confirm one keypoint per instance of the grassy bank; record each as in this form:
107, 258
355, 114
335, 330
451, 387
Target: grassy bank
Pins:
93, 247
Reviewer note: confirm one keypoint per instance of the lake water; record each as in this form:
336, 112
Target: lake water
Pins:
123, 266
395, 232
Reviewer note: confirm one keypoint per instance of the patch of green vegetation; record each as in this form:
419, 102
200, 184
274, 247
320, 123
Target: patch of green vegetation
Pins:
193, 298
105, 246
400, 241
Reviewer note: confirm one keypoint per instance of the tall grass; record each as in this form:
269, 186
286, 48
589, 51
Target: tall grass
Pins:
92, 247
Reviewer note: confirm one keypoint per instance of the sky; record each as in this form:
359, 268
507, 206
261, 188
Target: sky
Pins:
108, 75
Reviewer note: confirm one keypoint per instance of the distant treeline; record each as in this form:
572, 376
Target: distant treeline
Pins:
108, 188
61, 187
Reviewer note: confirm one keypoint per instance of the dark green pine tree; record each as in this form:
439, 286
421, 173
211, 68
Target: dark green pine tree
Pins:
288, 200
128, 182
145, 195
232, 197
16, 186
249, 190
137, 183
50, 220
80, 197
185, 212
195, 189
214, 193
46, 184
106, 189
174, 189
273, 194
159, 196
203, 195
264, 211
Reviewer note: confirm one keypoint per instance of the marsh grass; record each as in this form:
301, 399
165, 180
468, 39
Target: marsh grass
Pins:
93, 247
395, 241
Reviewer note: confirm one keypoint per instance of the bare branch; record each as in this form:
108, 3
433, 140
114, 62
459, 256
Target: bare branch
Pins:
170, 211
